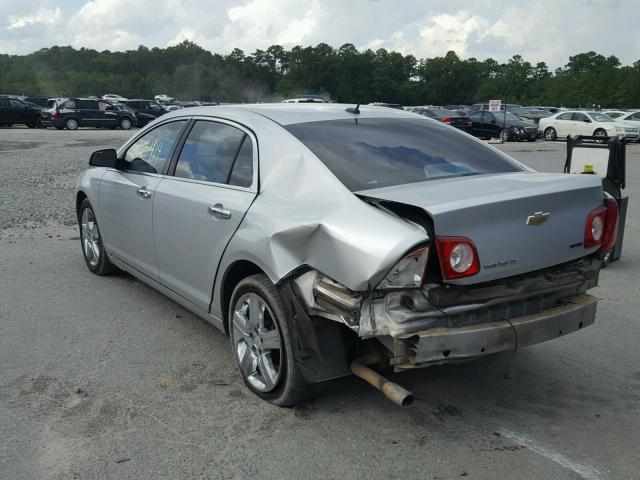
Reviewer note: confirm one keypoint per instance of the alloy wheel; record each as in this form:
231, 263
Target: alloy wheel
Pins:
90, 237
257, 342
72, 124
125, 124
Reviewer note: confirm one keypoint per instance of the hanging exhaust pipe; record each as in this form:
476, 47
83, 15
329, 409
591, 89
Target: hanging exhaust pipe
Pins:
392, 391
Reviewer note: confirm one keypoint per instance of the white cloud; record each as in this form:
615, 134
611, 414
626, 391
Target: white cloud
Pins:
42, 16
545, 30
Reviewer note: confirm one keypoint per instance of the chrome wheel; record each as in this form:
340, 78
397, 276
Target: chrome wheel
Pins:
504, 135
71, 124
257, 342
90, 237
125, 124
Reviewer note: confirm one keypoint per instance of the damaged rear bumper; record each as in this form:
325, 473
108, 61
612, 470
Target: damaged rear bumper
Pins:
443, 345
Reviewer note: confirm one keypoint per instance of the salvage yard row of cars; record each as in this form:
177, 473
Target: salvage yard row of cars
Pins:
326, 239
512, 123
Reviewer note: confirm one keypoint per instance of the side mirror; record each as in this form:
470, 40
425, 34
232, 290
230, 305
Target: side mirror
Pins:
586, 120
104, 158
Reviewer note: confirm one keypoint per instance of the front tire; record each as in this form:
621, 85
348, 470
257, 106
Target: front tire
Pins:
504, 135
91, 241
125, 124
550, 134
601, 135
262, 344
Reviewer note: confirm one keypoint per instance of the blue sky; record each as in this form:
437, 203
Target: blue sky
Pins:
540, 30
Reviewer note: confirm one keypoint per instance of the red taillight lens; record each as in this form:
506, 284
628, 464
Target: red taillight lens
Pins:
602, 227
55, 114
458, 257
446, 120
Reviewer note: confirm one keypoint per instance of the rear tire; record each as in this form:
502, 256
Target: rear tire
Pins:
125, 124
93, 251
250, 331
71, 124
550, 134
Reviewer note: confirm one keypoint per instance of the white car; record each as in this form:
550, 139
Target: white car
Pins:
591, 124
630, 119
614, 113
163, 98
112, 97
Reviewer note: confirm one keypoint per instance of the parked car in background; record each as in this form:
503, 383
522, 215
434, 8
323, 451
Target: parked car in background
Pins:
614, 113
518, 110
304, 100
399, 241
15, 111
163, 98
630, 119
548, 109
71, 113
173, 107
113, 98
503, 125
542, 113
141, 118
37, 100
148, 107
446, 116
459, 109
397, 106
592, 124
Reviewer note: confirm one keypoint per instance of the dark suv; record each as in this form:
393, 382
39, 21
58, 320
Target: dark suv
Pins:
146, 106
13, 110
72, 113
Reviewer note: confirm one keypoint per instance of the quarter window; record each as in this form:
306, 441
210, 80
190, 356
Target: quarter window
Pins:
151, 153
210, 151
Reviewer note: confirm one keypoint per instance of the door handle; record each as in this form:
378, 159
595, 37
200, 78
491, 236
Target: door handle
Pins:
219, 211
144, 193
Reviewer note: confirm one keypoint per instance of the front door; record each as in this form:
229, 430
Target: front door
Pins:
127, 197
199, 206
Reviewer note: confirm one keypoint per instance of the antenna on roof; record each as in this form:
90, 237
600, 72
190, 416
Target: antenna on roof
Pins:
354, 110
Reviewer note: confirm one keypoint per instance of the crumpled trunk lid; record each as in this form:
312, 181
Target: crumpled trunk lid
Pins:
498, 213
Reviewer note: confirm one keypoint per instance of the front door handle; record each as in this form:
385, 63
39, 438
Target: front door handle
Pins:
219, 211
144, 193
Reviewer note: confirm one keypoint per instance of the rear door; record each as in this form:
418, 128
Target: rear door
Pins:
5, 111
127, 197
564, 124
88, 113
108, 115
199, 206
581, 124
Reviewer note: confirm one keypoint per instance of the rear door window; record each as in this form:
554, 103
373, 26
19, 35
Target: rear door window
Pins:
87, 104
565, 116
367, 153
210, 152
152, 151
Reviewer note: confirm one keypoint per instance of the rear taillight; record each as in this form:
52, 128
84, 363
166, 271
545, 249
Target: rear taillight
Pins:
458, 257
55, 114
408, 272
446, 120
602, 227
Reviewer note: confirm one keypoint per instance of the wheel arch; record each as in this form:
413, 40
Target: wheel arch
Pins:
80, 196
235, 273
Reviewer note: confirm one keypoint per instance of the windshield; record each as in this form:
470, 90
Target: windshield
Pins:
600, 117
509, 117
518, 110
370, 153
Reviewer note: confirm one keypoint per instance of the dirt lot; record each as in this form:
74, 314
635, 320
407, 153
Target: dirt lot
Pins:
103, 378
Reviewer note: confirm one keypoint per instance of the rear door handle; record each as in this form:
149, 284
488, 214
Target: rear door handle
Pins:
219, 211
144, 193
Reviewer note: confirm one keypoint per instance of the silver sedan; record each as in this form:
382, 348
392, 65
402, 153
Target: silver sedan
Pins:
324, 239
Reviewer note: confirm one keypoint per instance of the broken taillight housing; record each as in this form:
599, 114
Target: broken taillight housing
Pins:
408, 272
602, 227
458, 257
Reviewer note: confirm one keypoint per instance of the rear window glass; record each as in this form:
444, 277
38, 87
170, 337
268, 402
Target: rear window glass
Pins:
370, 153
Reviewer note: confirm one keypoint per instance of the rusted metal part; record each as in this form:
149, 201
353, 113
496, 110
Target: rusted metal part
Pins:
392, 391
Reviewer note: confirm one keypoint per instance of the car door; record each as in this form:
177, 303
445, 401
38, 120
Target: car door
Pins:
633, 119
108, 115
127, 197
563, 124
199, 206
5, 111
477, 128
581, 125
19, 111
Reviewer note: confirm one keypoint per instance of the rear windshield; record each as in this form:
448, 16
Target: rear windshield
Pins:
380, 152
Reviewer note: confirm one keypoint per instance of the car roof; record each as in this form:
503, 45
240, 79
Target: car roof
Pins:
290, 113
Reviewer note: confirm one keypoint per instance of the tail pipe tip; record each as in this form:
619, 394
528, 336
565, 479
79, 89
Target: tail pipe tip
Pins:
394, 392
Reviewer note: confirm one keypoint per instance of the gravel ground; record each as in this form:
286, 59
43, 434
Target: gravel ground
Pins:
104, 378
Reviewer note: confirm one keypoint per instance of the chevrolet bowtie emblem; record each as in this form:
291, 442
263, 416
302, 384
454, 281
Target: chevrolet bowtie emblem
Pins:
538, 218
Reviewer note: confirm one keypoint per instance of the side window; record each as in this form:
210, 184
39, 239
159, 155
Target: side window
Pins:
16, 103
579, 117
635, 116
209, 152
4, 102
477, 116
103, 106
242, 172
565, 116
70, 104
151, 152
87, 104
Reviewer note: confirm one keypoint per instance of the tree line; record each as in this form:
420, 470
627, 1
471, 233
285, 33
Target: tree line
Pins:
346, 74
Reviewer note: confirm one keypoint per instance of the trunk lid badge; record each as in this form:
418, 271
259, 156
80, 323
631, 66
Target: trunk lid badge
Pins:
538, 218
